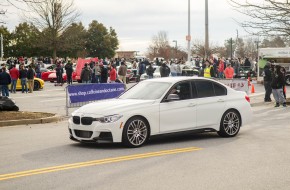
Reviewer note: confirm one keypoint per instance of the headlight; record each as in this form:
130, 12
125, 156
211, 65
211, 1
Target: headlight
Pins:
110, 118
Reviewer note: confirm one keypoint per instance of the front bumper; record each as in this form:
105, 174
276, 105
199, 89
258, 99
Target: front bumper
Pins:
96, 132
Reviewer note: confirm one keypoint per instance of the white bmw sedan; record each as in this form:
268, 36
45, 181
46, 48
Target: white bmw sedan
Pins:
162, 106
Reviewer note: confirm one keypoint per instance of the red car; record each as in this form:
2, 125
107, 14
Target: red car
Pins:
80, 65
52, 77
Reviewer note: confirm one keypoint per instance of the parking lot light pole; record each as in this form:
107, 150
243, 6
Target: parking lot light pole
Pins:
188, 37
175, 47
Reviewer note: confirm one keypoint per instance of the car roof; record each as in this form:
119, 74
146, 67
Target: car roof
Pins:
176, 79
182, 78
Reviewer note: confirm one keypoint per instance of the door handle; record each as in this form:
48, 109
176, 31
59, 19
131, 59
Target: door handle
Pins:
221, 100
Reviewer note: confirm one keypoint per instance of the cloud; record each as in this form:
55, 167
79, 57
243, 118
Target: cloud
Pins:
136, 21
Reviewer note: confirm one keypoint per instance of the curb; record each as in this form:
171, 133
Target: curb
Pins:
52, 119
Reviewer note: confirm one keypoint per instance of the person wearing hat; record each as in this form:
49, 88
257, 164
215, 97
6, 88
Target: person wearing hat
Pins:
229, 71
267, 82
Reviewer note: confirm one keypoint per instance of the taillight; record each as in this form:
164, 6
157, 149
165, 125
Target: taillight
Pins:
247, 98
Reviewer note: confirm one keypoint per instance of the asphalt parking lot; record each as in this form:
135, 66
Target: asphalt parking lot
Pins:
42, 156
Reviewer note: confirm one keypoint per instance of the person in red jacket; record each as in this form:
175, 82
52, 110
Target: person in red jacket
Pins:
113, 74
229, 71
14, 73
221, 68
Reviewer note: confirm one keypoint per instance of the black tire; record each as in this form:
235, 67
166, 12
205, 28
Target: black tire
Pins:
79, 81
287, 80
36, 85
136, 132
230, 124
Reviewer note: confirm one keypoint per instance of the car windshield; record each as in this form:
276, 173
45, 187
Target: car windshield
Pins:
146, 91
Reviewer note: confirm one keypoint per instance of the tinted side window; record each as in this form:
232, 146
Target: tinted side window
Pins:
182, 89
204, 88
193, 91
219, 89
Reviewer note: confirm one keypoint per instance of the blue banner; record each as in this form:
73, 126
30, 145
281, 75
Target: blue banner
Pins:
92, 92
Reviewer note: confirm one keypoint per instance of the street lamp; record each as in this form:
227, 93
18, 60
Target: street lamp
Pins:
188, 37
175, 48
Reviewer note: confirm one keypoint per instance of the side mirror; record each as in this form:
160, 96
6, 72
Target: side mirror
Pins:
172, 97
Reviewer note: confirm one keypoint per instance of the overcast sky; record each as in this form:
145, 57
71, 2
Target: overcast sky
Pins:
136, 21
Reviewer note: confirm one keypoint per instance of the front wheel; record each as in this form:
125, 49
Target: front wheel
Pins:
230, 124
136, 132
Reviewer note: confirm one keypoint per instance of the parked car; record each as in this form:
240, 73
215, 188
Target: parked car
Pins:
52, 77
245, 72
38, 84
161, 106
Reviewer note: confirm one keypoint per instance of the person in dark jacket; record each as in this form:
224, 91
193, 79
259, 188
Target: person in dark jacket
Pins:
150, 71
104, 73
23, 78
69, 70
142, 68
283, 71
277, 84
59, 72
164, 70
86, 74
267, 82
5, 80
30, 78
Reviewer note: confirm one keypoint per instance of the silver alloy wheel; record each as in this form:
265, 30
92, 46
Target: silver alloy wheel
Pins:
231, 123
137, 132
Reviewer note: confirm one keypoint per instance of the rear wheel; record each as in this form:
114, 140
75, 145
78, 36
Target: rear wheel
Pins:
230, 124
136, 132
36, 85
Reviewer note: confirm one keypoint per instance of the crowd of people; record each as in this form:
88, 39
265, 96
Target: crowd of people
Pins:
25, 75
115, 70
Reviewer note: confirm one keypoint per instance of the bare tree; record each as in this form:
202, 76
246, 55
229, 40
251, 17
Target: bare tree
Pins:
269, 17
198, 48
159, 46
53, 17
19, 4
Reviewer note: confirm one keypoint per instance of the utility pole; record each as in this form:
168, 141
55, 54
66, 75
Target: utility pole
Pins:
2, 47
188, 37
206, 29
231, 48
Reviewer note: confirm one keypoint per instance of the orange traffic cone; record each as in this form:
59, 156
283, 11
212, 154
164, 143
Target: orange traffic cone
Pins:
253, 88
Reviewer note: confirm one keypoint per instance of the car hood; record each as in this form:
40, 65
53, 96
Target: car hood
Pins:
112, 106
